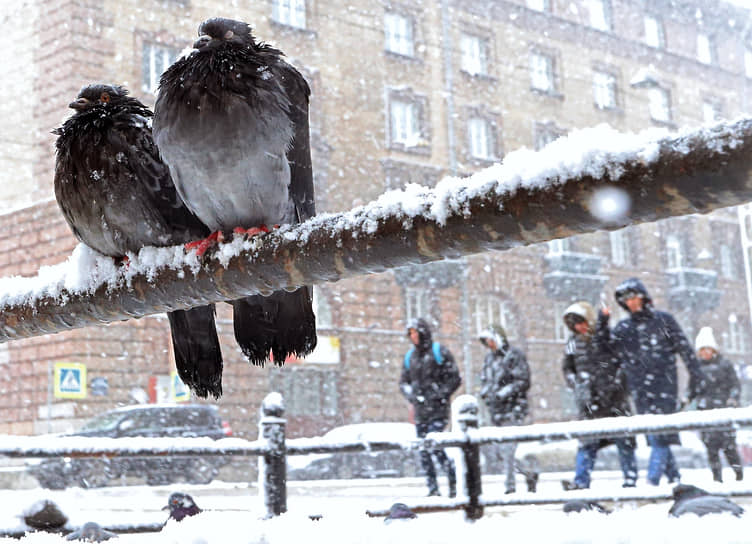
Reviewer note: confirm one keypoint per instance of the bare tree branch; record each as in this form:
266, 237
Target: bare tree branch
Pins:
696, 172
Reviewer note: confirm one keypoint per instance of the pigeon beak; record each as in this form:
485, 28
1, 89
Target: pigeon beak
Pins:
79, 104
202, 41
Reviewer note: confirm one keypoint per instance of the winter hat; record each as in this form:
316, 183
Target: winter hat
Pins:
583, 310
631, 286
494, 332
705, 339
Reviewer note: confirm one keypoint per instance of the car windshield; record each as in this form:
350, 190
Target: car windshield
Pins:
103, 422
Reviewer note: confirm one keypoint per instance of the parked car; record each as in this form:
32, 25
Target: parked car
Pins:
377, 464
193, 420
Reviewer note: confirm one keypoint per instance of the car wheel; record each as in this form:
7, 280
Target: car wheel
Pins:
201, 471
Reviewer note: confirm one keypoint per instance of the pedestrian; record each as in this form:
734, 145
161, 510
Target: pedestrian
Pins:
647, 342
505, 380
593, 372
429, 377
722, 390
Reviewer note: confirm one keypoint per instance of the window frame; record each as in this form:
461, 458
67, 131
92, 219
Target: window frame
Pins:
549, 72
491, 308
290, 12
612, 89
421, 134
152, 46
660, 31
393, 42
543, 6
674, 252
621, 247
705, 51
482, 51
604, 21
665, 95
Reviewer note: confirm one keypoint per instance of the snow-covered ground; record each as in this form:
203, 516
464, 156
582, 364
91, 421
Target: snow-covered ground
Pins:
233, 514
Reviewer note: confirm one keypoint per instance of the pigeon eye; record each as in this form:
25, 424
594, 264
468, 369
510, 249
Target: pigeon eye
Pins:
229, 34
104, 97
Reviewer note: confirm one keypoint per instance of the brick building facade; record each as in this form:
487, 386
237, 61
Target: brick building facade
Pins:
402, 92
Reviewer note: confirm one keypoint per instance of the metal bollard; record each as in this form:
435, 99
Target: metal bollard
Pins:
468, 419
273, 465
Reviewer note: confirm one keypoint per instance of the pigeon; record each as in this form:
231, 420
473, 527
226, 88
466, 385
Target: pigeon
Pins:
579, 505
45, 515
181, 505
91, 532
689, 499
399, 511
231, 122
117, 196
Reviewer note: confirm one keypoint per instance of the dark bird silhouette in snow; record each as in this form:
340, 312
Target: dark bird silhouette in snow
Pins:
231, 121
117, 196
181, 505
399, 511
689, 499
45, 515
91, 532
579, 505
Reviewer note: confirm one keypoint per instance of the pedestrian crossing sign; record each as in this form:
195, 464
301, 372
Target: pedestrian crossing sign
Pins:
179, 392
70, 381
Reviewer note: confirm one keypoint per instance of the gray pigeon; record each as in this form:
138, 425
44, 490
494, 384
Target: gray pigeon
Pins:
579, 505
91, 532
231, 122
117, 196
689, 499
399, 511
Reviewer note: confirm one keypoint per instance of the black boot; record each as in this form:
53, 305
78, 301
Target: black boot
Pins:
433, 488
531, 479
717, 474
739, 474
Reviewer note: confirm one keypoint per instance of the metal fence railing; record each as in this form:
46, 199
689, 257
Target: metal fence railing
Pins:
272, 447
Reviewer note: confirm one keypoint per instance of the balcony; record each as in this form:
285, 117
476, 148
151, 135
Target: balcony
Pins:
573, 276
694, 289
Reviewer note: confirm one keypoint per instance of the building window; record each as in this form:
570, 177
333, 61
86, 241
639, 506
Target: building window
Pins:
156, 59
600, 14
474, 55
654, 35
322, 308
545, 133
289, 12
727, 262
398, 33
621, 254
542, 73
405, 122
557, 247
561, 332
490, 310
660, 104
748, 62
307, 391
417, 301
480, 134
673, 252
539, 5
705, 49
735, 339
604, 90
711, 111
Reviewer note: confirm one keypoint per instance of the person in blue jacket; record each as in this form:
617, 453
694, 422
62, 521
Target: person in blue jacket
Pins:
429, 377
647, 343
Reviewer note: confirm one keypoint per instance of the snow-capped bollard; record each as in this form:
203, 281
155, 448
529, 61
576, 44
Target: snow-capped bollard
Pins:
273, 465
468, 419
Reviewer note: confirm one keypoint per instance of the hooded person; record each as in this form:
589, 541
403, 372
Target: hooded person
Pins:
594, 374
504, 381
722, 390
429, 377
647, 343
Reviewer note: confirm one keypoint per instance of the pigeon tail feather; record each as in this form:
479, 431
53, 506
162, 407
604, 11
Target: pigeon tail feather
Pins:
198, 357
282, 323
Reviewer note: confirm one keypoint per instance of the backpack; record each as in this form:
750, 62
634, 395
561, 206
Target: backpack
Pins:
436, 355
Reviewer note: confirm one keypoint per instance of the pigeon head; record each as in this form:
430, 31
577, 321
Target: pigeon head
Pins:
181, 505
99, 95
217, 32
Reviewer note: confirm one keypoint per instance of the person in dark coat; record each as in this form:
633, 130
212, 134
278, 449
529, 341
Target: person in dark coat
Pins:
647, 343
722, 391
504, 381
593, 372
429, 377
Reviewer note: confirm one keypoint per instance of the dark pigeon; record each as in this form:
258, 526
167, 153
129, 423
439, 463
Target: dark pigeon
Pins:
45, 515
689, 499
91, 532
181, 505
579, 505
399, 511
117, 196
231, 121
